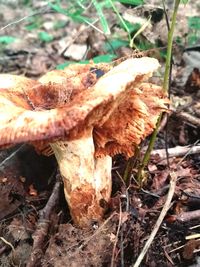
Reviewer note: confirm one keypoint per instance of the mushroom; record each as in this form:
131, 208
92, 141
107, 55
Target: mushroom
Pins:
86, 114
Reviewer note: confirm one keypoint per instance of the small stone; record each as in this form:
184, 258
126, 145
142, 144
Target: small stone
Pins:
76, 51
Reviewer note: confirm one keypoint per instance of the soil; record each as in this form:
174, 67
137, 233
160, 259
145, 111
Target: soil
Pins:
36, 227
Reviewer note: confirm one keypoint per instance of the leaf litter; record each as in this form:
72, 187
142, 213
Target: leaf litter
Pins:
117, 241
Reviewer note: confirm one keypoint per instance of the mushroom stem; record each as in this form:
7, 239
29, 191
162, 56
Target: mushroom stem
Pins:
87, 180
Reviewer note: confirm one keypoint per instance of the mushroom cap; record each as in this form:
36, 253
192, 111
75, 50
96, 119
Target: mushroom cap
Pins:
121, 105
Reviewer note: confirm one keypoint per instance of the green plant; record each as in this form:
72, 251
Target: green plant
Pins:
132, 2
194, 30
45, 37
98, 59
146, 157
33, 23
7, 39
79, 12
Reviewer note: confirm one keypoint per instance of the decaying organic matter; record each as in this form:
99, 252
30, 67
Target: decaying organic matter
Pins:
86, 113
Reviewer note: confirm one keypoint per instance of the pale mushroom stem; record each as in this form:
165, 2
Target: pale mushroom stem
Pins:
87, 180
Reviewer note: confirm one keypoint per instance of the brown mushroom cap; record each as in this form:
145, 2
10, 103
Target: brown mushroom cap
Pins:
25, 103
62, 104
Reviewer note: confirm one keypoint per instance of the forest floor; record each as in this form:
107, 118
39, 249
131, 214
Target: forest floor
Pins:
37, 40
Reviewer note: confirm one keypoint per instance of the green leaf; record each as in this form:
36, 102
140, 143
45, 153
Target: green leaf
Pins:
184, 1
104, 58
72, 12
115, 44
57, 8
132, 2
67, 63
120, 19
102, 18
34, 23
33, 26
132, 27
144, 45
7, 39
45, 37
59, 24
76, 16
194, 23
163, 54
26, 2
64, 65
192, 39
98, 59
178, 40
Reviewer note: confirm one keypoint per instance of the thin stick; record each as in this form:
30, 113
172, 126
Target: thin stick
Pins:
190, 119
42, 11
188, 216
43, 226
160, 219
117, 234
177, 151
11, 155
7, 243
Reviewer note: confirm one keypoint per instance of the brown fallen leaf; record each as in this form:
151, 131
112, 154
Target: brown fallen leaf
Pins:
193, 82
10, 188
188, 251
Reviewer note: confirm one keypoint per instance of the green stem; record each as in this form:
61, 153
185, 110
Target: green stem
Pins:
128, 170
131, 163
146, 157
169, 47
121, 19
147, 154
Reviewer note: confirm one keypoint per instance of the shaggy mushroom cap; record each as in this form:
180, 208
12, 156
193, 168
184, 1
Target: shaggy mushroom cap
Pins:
62, 105
31, 110
85, 114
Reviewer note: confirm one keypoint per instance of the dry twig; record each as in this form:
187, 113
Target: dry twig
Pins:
160, 219
190, 119
116, 239
177, 151
188, 216
43, 226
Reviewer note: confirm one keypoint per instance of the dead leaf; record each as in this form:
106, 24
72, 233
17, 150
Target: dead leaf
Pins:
188, 251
